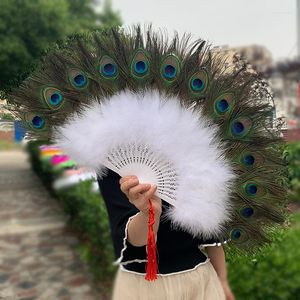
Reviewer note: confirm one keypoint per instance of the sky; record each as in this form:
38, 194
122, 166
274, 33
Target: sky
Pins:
271, 23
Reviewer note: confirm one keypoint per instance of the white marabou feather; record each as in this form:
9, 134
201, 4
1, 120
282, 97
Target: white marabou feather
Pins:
186, 137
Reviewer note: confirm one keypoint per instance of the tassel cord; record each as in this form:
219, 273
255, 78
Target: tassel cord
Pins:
151, 268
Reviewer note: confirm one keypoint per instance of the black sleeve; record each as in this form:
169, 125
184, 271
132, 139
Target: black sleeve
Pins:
119, 211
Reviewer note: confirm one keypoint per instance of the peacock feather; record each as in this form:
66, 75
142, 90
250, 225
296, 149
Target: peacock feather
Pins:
236, 99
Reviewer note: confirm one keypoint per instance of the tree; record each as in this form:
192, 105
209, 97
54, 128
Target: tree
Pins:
82, 15
108, 17
28, 27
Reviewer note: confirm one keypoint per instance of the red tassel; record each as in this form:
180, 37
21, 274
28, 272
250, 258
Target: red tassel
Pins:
151, 268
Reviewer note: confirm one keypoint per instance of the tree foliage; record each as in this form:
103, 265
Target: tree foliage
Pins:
28, 27
108, 17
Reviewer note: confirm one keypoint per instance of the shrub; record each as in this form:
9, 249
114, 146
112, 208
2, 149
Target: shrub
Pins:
292, 153
273, 273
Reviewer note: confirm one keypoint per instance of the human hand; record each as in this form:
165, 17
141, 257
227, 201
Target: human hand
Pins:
228, 293
139, 194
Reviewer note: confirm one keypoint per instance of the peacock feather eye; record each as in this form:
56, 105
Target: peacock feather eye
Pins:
170, 67
140, 64
251, 189
140, 67
240, 127
108, 68
223, 104
251, 159
235, 234
238, 235
53, 97
77, 78
198, 82
34, 120
247, 212
38, 122
254, 189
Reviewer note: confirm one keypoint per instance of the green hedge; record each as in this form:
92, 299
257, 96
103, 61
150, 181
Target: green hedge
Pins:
88, 216
292, 153
274, 273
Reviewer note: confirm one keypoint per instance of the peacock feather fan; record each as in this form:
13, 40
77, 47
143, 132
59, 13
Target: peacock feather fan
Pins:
100, 65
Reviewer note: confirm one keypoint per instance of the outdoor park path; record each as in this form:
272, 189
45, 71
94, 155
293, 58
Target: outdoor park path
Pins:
38, 259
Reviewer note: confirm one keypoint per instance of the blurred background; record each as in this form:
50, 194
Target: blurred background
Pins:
54, 233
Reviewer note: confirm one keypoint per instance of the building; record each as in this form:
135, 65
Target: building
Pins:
259, 57
284, 78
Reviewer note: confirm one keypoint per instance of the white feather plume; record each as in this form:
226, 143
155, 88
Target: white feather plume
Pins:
186, 137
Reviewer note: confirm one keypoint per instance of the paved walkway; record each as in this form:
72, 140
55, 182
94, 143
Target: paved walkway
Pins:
37, 252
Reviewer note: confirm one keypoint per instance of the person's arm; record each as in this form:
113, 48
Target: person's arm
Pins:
217, 258
138, 229
139, 195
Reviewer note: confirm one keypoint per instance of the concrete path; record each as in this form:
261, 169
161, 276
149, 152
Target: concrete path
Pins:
37, 251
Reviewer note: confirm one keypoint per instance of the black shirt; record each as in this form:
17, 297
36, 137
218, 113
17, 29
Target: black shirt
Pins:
176, 250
